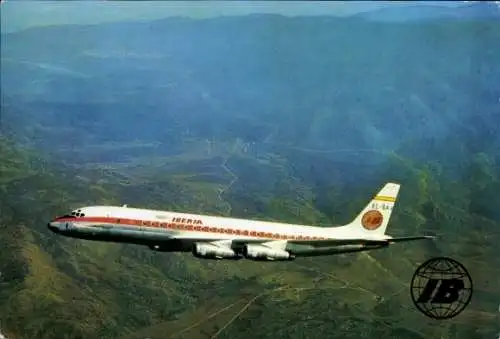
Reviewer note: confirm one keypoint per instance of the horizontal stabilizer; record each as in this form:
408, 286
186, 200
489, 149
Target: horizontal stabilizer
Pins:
411, 238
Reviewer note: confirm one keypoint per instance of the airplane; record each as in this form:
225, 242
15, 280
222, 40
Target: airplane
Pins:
213, 237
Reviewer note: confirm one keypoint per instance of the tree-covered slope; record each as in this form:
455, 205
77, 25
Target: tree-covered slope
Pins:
54, 287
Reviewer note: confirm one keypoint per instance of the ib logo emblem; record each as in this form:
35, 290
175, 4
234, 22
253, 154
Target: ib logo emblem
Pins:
441, 288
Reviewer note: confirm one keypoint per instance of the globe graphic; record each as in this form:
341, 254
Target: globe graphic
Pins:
441, 269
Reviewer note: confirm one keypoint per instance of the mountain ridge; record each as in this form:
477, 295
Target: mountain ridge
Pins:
184, 95
479, 10
410, 12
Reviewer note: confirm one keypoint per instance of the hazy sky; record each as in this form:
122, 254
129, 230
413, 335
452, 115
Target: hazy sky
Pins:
17, 14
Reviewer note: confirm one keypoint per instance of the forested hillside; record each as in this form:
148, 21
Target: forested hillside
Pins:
266, 117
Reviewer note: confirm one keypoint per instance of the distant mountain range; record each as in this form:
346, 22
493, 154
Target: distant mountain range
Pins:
318, 83
414, 12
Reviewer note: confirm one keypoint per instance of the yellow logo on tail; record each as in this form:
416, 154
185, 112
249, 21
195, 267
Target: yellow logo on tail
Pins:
372, 220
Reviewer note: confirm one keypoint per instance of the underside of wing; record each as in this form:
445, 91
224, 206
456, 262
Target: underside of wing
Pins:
337, 242
360, 241
266, 249
315, 243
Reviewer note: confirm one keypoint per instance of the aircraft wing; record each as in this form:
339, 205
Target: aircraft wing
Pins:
419, 237
327, 242
360, 241
313, 243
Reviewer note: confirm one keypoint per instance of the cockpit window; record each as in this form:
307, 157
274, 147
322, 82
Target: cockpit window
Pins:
77, 214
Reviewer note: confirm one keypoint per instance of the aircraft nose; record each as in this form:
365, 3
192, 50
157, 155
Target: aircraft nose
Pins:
52, 227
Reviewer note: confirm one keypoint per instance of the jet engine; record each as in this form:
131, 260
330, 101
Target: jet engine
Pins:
259, 252
209, 251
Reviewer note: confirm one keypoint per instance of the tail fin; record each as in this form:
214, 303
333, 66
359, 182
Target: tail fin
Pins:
374, 218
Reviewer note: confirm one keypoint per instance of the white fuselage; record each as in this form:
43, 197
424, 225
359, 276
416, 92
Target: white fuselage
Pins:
173, 231
166, 224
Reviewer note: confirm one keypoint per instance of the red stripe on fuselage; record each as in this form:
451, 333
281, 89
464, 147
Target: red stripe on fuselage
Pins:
187, 227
